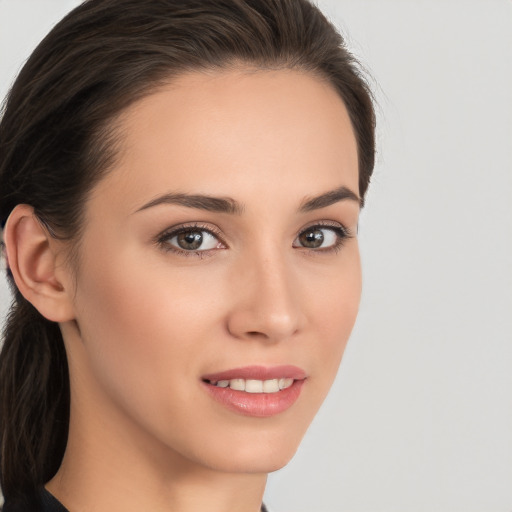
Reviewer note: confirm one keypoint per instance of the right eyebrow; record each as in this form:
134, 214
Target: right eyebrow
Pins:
198, 201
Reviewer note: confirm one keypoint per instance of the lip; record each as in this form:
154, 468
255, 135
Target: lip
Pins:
258, 405
259, 373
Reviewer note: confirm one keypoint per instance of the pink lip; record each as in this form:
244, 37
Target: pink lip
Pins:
259, 405
258, 373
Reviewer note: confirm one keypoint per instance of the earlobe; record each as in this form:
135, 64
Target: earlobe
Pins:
32, 259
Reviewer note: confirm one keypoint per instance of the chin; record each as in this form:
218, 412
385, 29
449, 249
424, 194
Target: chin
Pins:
263, 452
267, 461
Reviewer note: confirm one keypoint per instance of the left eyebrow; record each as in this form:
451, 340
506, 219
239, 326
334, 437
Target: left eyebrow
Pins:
329, 198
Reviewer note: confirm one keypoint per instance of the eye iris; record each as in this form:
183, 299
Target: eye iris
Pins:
190, 240
312, 239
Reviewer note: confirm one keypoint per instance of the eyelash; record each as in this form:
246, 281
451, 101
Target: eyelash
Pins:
341, 232
163, 240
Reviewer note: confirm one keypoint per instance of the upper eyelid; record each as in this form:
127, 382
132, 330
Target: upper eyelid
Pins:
328, 224
191, 227
217, 232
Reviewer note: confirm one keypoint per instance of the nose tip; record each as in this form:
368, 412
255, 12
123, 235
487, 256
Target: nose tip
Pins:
253, 324
266, 306
274, 327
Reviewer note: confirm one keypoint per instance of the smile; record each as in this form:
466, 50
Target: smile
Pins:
256, 391
255, 386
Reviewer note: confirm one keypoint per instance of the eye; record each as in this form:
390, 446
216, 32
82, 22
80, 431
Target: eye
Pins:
190, 239
322, 237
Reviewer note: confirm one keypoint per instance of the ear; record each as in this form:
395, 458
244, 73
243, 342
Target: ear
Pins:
34, 258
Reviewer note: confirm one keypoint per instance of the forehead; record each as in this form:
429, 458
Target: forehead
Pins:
211, 132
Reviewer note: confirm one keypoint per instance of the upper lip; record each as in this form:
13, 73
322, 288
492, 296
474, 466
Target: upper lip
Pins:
257, 372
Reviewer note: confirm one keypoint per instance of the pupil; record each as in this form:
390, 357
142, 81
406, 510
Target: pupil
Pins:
312, 238
190, 240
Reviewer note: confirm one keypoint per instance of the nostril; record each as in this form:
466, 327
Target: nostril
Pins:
256, 334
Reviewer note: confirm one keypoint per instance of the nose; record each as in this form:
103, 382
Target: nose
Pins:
266, 303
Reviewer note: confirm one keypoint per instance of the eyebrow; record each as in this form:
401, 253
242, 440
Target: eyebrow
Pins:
198, 201
329, 198
231, 206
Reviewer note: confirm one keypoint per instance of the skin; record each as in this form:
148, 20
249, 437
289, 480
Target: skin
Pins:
142, 323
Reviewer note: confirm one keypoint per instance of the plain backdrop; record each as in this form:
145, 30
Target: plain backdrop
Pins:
420, 416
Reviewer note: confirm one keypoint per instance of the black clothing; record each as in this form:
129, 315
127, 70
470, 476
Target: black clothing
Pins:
46, 502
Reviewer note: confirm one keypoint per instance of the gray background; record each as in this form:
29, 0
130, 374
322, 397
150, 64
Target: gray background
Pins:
420, 417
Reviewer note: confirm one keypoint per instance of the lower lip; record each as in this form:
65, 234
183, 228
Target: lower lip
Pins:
259, 405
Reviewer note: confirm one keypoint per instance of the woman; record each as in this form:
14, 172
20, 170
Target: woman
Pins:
180, 189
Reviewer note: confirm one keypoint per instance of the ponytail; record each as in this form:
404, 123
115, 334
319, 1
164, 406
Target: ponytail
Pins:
34, 401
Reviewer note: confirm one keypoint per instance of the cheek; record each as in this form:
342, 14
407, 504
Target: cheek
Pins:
140, 328
335, 310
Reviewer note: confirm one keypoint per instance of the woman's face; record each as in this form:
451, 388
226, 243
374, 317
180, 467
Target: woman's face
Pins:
219, 253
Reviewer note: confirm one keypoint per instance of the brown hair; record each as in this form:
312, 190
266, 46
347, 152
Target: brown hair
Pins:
57, 141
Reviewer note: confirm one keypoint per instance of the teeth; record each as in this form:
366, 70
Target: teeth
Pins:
237, 384
270, 386
285, 383
255, 386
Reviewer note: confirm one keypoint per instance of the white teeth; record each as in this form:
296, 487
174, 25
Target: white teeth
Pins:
255, 386
237, 384
270, 386
285, 383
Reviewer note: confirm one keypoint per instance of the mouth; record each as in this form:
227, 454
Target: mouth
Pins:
256, 391
254, 385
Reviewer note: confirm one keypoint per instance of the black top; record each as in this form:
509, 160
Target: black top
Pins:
46, 502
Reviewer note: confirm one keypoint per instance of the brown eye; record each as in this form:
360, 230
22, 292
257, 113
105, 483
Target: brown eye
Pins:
312, 238
321, 237
189, 240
